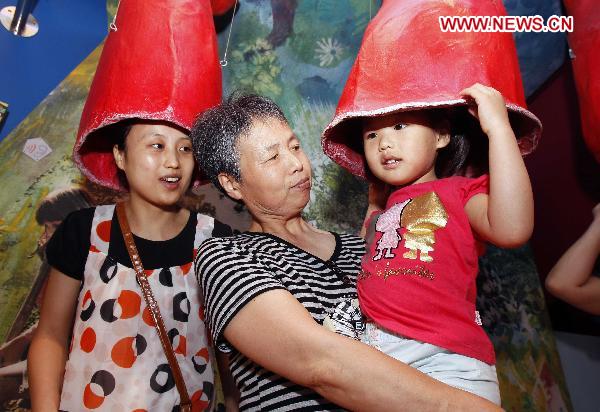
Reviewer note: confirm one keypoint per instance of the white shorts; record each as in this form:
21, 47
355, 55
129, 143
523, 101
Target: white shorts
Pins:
459, 371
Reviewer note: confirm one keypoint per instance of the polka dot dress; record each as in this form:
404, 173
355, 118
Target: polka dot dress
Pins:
116, 361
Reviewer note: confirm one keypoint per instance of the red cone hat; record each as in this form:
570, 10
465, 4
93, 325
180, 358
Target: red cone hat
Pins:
407, 63
584, 41
161, 63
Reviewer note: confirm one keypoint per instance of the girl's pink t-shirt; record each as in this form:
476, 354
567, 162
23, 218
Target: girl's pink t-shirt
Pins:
418, 275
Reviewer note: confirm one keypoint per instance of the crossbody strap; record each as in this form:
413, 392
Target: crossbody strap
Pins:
153, 307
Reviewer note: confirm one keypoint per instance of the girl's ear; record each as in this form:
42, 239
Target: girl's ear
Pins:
443, 139
230, 185
119, 157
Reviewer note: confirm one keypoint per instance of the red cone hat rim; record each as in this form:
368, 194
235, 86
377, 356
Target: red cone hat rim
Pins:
99, 141
337, 141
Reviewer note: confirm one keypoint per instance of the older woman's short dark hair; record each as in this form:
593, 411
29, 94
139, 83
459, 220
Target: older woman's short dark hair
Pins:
216, 132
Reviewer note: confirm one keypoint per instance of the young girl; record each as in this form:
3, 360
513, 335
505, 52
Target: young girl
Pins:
116, 361
417, 286
399, 121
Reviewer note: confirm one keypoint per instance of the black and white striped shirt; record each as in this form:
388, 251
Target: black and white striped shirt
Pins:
233, 270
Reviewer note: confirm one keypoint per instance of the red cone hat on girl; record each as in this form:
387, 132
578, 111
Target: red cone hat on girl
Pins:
406, 62
159, 62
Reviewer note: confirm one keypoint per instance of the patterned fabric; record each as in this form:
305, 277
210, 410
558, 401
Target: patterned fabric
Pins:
232, 271
418, 275
116, 362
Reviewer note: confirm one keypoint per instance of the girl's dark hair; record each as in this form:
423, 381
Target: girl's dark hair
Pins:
466, 154
450, 159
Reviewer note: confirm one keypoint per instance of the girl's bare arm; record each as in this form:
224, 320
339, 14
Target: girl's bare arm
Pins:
505, 216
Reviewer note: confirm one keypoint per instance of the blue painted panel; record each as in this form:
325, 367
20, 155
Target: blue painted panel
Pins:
540, 54
30, 68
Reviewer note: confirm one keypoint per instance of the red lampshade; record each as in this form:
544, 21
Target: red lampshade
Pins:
161, 64
407, 63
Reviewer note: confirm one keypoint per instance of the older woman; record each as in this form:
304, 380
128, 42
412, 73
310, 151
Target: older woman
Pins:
270, 291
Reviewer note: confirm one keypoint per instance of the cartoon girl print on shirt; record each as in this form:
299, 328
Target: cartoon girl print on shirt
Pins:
420, 216
388, 223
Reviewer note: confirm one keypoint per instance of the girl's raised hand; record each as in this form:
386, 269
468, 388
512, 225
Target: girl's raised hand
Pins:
489, 108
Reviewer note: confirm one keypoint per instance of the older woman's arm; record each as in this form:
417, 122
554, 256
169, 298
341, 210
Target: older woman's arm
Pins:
571, 278
287, 341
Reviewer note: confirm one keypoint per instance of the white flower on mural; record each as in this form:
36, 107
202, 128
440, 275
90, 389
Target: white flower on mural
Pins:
328, 51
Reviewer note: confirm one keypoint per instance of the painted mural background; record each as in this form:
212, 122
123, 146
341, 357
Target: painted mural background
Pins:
298, 53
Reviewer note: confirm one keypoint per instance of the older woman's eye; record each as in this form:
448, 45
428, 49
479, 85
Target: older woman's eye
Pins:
296, 147
275, 156
399, 126
156, 145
